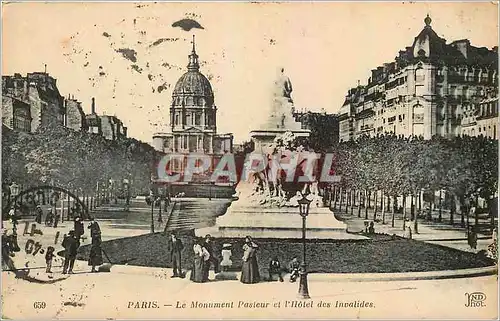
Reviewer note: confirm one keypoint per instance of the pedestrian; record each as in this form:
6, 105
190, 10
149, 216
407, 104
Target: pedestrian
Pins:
95, 256
175, 247
212, 260
57, 216
39, 214
293, 268
275, 268
49, 256
473, 242
201, 255
94, 227
371, 229
250, 269
78, 227
49, 218
14, 219
7, 251
226, 262
70, 245
408, 234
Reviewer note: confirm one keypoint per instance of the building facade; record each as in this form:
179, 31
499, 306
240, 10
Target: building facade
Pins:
428, 90
482, 118
75, 116
193, 117
39, 91
110, 127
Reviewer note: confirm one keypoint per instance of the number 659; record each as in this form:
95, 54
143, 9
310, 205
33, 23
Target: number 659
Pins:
39, 305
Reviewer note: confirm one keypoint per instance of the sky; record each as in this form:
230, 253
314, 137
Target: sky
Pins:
325, 48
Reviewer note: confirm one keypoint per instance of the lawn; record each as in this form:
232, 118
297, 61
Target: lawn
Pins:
380, 254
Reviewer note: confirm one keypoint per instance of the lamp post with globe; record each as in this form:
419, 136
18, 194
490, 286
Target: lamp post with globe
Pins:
304, 203
14, 191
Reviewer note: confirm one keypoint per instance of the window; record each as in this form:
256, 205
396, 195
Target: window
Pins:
484, 75
419, 75
22, 119
419, 90
177, 119
197, 119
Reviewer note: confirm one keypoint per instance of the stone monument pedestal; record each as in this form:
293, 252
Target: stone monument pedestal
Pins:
282, 223
245, 217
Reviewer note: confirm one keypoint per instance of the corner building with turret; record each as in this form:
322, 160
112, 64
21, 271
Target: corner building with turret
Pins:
432, 88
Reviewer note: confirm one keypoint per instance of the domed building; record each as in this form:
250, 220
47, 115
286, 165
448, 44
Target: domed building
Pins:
193, 116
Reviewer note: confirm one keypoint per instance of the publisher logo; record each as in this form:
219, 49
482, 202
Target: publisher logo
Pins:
475, 300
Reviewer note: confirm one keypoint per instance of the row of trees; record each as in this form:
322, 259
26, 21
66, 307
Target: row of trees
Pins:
387, 167
74, 159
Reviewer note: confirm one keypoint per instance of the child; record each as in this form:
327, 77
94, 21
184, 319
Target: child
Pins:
48, 258
226, 257
275, 268
293, 267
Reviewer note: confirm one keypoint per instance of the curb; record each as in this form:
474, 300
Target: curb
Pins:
325, 277
404, 276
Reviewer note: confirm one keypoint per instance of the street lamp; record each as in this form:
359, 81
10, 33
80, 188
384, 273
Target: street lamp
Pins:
304, 203
14, 190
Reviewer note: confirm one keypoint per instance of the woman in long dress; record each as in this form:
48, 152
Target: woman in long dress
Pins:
201, 255
95, 257
250, 268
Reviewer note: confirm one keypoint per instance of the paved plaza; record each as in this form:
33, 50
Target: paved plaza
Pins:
144, 292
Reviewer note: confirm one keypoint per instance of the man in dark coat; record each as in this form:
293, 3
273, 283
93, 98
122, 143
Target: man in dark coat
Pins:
71, 245
39, 214
175, 248
208, 245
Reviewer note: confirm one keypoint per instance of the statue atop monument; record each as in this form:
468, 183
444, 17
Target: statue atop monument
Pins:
282, 109
283, 86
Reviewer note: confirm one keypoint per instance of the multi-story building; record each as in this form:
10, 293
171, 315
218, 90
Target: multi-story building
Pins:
39, 91
75, 116
426, 91
16, 114
193, 116
110, 127
482, 118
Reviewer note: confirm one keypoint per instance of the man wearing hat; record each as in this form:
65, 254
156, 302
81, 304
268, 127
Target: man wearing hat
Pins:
71, 245
175, 247
208, 246
39, 214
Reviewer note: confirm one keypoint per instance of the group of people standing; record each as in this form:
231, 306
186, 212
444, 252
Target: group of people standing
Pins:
71, 243
204, 258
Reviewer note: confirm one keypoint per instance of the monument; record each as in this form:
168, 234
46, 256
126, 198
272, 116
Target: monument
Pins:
267, 205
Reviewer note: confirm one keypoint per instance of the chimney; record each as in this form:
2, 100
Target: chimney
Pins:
93, 105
